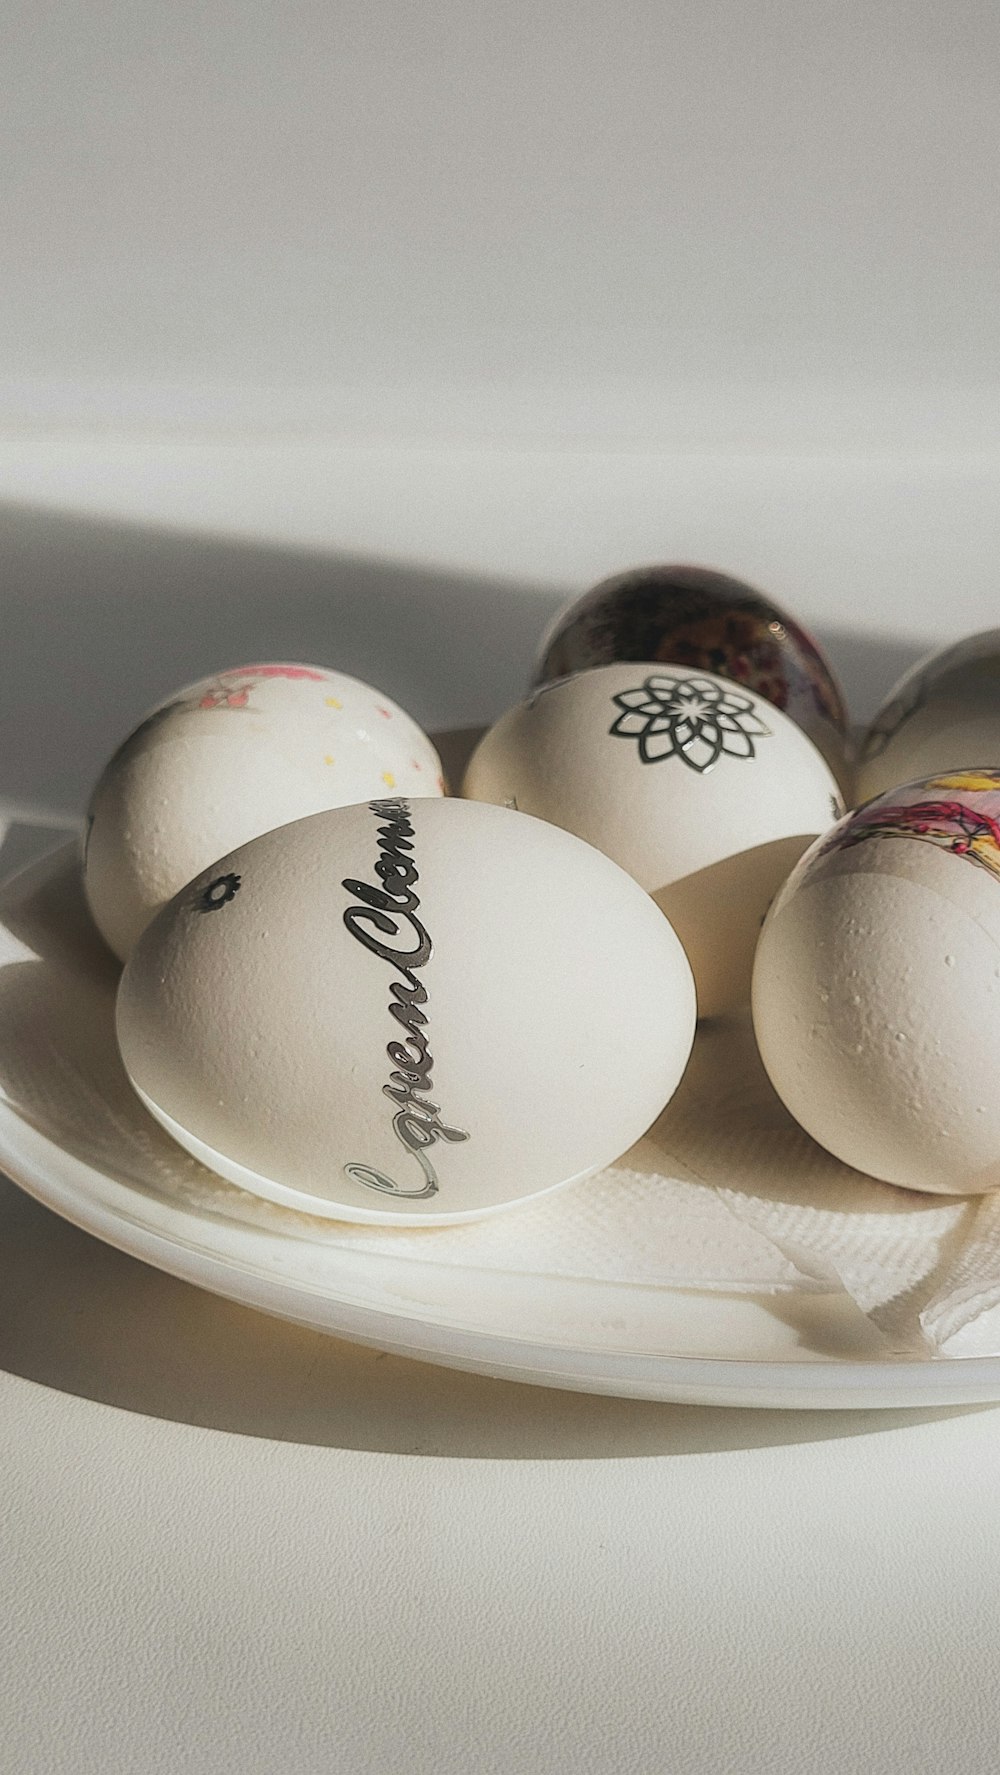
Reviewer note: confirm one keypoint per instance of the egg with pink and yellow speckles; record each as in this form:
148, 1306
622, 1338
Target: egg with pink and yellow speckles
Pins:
227, 759
709, 622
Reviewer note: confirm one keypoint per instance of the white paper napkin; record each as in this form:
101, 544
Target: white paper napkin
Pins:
727, 1192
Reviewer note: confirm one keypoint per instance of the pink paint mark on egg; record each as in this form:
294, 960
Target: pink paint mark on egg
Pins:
226, 699
387, 713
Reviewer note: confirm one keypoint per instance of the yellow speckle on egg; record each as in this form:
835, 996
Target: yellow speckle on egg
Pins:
970, 780
388, 779
329, 760
332, 702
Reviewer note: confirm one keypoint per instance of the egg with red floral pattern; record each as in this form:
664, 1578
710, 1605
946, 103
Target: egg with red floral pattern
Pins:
876, 987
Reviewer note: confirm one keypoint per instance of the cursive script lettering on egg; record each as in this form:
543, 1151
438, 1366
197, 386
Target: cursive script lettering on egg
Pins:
375, 1023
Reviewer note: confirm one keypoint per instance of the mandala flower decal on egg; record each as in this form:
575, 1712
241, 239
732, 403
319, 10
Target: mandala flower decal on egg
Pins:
694, 719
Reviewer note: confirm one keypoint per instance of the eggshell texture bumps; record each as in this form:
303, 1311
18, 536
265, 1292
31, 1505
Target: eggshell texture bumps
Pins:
943, 713
709, 622
876, 990
410, 1010
228, 758
705, 794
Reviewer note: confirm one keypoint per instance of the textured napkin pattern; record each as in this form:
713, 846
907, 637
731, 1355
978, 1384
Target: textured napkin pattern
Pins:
728, 1192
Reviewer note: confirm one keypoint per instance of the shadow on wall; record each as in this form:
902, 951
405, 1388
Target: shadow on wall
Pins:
101, 619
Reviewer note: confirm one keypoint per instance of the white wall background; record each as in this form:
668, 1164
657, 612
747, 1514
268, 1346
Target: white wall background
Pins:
522, 292
656, 221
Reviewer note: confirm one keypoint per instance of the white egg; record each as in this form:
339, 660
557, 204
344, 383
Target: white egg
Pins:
408, 1010
943, 713
876, 989
703, 791
228, 758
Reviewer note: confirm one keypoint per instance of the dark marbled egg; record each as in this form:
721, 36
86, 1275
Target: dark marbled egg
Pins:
691, 616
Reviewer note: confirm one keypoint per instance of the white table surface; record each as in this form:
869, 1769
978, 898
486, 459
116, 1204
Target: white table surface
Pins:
232, 1545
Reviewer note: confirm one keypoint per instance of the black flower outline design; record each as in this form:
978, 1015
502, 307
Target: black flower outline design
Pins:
219, 892
891, 718
694, 719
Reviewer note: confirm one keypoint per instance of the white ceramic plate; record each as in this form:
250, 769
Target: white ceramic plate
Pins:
73, 1134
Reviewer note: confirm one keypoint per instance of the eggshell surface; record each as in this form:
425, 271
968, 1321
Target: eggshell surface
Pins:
709, 622
876, 989
942, 714
705, 794
413, 1010
228, 758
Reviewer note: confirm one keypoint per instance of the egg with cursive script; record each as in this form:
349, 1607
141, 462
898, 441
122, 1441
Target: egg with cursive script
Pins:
228, 758
408, 1010
702, 790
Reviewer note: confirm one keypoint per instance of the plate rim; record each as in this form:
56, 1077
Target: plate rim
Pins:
708, 1379
57, 1178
